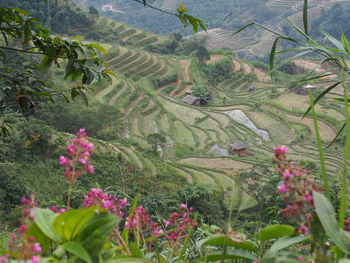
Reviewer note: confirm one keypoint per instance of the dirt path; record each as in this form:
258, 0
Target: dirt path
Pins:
261, 75
185, 64
236, 66
214, 58
313, 65
246, 68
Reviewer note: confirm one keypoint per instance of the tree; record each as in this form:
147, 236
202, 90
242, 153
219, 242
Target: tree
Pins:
93, 11
156, 139
23, 85
202, 54
202, 92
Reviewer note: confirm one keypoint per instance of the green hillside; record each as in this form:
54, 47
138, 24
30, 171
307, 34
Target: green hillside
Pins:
146, 99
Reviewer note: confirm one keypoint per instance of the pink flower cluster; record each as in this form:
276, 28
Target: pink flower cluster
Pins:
141, 222
57, 210
296, 189
22, 245
79, 155
347, 225
179, 224
111, 203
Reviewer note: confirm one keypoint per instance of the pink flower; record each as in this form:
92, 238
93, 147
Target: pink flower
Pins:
300, 258
282, 188
81, 133
166, 223
64, 161
304, 229
23, 228
91, 169
287, 175
34, 259
308, 197
2, 259
83, 161
36, 248
280, 152
183, 206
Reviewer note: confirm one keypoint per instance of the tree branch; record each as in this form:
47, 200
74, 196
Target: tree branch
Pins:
22, 50
155, 8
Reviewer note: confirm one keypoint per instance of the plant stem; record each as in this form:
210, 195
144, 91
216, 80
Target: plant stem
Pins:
228, 226
320, 149
343, 198
69, 195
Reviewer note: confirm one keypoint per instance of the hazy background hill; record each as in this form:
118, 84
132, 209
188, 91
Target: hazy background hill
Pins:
224, 17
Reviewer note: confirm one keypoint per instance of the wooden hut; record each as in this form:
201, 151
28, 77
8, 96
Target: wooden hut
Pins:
238, 148
189, 92
192, 100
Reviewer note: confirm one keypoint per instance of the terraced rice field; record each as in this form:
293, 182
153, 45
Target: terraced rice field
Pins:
148, 109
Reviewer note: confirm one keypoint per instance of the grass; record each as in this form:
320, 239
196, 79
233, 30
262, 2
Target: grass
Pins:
181, 134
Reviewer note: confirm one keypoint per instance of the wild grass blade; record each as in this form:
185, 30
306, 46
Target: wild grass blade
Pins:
324, 174
305, 17
344, 185
326, 91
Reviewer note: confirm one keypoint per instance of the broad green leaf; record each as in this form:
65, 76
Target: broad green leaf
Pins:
275, 231
135, 250
221, 241
96, 233
122, 259
231, 253
44, 219
344, 260
326, 214
285, 242
77, 250
40, 237
69, 224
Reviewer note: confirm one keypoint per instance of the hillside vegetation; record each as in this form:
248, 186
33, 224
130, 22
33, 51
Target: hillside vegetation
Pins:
146, 99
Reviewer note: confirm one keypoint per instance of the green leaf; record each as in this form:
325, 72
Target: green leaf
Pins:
77, 250
40, 237
96, 232
285, 242
275, 231
99, 48
305, 17
44, 219
321, 96
326, 214
69, 224
345, 43
221, 241
272, 55
122, 259
231, 253
125, 233
135, 250
333, 40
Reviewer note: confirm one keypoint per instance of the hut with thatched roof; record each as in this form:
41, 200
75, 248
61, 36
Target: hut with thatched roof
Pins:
304, 90
238, 148
189, 92
192, 100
